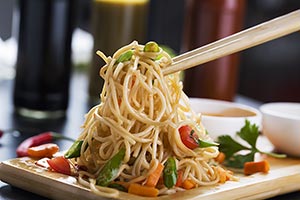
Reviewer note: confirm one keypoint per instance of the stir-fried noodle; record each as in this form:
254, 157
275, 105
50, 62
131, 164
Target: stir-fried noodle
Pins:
141, 110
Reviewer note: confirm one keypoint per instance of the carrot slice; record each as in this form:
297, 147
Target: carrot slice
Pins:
142, 190
44, 150
220, 158
179, 178
188, 184
223, 174
254, 167
154, 177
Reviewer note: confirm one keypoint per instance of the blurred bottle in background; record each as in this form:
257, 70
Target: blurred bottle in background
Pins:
43, 63
271, 71
207, 21
115, 23
166, 23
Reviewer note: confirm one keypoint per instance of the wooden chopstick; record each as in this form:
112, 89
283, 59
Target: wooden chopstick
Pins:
256, 35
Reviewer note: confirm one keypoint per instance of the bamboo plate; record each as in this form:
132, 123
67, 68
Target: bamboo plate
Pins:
284, 177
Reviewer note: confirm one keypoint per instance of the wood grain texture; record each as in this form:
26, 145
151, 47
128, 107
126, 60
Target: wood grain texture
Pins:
283, 177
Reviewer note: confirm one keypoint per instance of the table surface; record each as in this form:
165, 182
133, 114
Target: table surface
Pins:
69, 126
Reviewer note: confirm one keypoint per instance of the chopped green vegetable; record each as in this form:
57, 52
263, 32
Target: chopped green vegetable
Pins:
231, 148
170, 173
151, 47
74, 150
117, 186
203, 144
169, 50
110, 170
124, 57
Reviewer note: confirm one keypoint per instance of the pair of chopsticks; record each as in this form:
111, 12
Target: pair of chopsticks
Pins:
256, 35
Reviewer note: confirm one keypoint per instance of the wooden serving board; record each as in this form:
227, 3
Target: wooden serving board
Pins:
284, 177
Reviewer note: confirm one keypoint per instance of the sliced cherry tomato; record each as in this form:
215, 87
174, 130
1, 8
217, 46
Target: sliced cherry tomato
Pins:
188, 137
60, 165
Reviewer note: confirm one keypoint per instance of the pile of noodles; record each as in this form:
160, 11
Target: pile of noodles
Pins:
141, 110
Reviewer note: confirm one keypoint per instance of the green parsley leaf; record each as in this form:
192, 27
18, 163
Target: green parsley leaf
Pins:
238, 160
229, 146
249, 133
232, 149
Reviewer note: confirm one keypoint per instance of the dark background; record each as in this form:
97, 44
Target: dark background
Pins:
269, 72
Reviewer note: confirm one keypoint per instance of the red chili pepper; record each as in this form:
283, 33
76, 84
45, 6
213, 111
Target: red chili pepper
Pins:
39, 139
1, 133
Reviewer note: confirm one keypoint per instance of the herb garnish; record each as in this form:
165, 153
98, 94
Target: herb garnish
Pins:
232, 148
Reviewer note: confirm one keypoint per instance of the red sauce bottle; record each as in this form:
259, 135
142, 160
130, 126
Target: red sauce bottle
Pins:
207, 21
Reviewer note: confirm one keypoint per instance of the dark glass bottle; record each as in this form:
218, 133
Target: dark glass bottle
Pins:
114, 24
43, 63
207, 21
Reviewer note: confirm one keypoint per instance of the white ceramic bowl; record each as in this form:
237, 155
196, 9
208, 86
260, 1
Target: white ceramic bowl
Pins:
281, 125
224, 117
